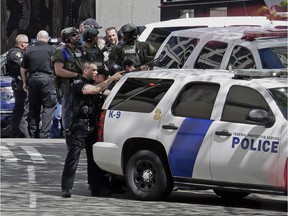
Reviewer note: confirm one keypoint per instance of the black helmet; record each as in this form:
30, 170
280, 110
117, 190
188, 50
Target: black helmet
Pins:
66, 32
88, 33
129, 32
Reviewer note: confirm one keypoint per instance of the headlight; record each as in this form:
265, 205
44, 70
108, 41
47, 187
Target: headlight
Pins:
7, 95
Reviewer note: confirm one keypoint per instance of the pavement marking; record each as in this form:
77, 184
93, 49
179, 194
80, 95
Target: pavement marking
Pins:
34, 154
6, 153
32, 200
31, 174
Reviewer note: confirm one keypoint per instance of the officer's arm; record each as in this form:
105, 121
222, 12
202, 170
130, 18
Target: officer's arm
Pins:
60, 71
96, 89
23, 72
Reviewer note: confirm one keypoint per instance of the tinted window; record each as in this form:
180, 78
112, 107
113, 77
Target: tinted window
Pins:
177, 50
211, 55
240, 101
241, 58
280, 96
158, 35
273, 58
196, 100
140, 95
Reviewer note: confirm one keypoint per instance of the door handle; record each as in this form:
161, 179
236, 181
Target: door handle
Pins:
223, 133
169, 127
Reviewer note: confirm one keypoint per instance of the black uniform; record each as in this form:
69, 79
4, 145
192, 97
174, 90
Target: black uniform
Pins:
83, 134
93, 54
20, 111
42, 93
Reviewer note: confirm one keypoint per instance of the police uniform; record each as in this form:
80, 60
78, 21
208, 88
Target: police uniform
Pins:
72, 60
19, 122
42, 93
83, 134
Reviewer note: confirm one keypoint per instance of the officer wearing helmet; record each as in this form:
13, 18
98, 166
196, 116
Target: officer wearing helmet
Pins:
91, 51
139, 52
67, 64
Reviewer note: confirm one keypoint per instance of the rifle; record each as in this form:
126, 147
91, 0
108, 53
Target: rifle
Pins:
150, 64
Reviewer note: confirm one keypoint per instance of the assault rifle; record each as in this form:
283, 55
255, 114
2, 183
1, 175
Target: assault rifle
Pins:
150, 64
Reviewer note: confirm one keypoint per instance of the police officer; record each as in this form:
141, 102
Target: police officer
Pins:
91, 51
67, 63
83, 131
42, 93
139, 52
20, 111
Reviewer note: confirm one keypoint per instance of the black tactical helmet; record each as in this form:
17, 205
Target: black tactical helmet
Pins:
88, 33
66, 32
129, 32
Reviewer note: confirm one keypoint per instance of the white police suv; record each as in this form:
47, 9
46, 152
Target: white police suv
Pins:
196, 129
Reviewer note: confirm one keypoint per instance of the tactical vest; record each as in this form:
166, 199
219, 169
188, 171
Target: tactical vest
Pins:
94, 55
131, 52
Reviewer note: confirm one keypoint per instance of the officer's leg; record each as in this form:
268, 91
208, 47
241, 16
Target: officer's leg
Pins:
66, 110
23, 126
96, 176
20, 96
35, 106
49, 100
70, 167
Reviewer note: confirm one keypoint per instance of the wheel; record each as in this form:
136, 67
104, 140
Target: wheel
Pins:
231, 195
147, 177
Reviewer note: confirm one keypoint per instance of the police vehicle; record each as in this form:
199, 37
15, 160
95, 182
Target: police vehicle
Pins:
156, 33
223, 47
193, 129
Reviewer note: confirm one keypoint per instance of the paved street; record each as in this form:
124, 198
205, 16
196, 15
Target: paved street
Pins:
30, 185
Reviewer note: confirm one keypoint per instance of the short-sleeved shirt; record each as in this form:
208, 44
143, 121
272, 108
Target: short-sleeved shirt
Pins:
14, 59
79, 100
37, 58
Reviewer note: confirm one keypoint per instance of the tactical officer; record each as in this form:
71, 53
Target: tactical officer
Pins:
83, 131
139, 52
67, 63
42, 93
91, 51
20, 110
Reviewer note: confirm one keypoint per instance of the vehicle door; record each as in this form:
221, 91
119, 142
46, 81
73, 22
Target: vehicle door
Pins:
183, 128
243, 151
131, 112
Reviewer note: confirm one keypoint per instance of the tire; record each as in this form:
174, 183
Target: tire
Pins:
147, 177
231, 195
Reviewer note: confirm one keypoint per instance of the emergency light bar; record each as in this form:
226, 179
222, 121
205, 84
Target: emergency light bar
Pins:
254, 73
252, 35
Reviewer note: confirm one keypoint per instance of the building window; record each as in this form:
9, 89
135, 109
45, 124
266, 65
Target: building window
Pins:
219, 11
188, 13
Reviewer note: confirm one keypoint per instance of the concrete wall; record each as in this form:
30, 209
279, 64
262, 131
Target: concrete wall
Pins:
119, 12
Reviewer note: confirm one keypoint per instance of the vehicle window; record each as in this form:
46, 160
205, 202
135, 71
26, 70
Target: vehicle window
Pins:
196, 100
273, 58
211, 55
240, 101
177, 50
158, 35
241, 58
140, 95
280, 96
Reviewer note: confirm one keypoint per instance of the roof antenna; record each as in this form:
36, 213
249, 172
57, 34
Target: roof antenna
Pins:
245, 8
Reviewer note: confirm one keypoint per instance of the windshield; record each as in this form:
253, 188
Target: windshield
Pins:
280, 96
274, 57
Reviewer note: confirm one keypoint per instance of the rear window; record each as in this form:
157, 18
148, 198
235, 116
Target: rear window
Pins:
140, 94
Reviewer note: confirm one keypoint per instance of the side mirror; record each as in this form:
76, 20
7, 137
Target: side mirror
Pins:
262, 117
